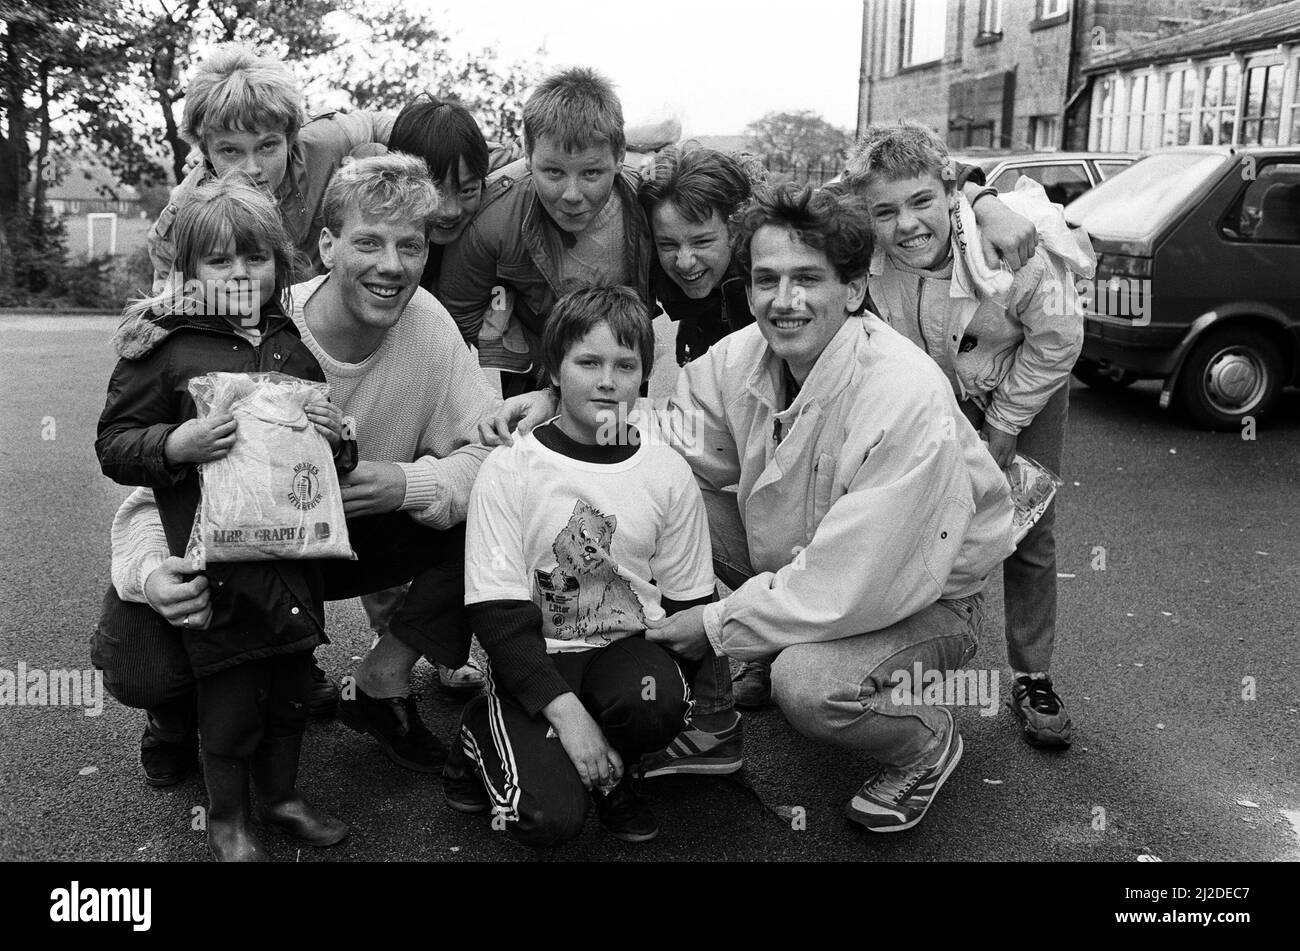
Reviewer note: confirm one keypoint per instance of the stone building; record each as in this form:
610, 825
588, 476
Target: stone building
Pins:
1016, 73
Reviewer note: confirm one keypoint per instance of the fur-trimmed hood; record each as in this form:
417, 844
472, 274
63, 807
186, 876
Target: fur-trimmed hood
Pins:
139, 335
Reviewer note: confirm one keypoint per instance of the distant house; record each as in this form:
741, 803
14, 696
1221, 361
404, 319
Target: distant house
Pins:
89, 188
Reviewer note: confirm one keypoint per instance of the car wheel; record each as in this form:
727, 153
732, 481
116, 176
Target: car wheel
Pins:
1103, 378
1230, 375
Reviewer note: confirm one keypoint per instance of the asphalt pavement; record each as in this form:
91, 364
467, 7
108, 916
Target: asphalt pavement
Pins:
1179, 555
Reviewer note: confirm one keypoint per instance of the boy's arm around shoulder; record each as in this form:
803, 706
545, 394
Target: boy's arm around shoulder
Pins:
1044, 300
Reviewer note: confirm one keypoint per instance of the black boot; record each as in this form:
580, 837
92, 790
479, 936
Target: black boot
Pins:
230, 835
280, 805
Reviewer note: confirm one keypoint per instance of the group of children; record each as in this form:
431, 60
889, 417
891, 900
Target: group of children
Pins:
580, 535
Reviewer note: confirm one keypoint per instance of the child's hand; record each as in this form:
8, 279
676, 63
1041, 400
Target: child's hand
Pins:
328, 420
201, 440
598, 764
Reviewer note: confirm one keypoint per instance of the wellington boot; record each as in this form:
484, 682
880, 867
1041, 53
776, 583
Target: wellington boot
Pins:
280, 805
230, 833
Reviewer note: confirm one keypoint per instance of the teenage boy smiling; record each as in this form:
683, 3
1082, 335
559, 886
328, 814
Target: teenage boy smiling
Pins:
565, 215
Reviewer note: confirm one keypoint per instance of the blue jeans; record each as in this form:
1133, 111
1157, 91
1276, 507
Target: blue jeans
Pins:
1029, 574
842, 691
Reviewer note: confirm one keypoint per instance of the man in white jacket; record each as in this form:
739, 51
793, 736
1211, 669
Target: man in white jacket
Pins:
1007, 355
868, 513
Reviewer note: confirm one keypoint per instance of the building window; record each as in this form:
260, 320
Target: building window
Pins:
990, 17
1263, 105
924, 24
1295, 109
1180, 101
1103, 114
1044, 133
1143, 111
1219, 105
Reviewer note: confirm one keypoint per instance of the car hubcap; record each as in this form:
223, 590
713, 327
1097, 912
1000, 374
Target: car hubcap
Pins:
1235, 380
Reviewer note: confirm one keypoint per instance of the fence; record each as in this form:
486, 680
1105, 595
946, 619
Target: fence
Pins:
804, 173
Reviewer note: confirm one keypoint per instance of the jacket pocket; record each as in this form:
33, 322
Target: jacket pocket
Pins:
822, 491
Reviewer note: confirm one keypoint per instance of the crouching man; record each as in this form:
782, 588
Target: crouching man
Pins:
868, 513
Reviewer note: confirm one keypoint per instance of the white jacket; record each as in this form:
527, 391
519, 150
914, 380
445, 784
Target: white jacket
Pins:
878, 500
1007, 341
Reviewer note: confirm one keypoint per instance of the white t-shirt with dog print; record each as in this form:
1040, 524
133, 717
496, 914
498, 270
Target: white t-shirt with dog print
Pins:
594, 545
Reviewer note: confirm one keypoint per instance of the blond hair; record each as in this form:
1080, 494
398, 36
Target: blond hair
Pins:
394, 185
235, 89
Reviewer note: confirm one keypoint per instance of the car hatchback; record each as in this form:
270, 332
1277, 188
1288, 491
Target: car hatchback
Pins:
1198, 279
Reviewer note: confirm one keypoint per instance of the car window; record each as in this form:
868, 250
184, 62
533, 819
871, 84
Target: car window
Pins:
1268, 208
1143, 199
1109, 169
1062, 182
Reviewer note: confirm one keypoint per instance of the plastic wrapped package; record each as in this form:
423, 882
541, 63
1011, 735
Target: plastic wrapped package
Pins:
1033, 486
276, 494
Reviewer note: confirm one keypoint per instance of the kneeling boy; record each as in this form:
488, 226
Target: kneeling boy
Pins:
577, 535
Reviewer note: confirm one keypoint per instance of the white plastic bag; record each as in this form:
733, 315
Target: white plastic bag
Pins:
1033, 486
276, 495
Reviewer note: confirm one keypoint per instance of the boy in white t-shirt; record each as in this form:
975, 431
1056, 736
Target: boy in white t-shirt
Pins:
577, 534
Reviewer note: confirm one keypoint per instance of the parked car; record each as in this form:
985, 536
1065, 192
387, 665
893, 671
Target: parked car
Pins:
1202, 243
1064, 175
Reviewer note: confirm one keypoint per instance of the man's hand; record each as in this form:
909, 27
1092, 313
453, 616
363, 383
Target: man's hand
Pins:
682, 634
1002, 445
373, 488
598, 764
201, 440
521, 412
1004, 234
328, 420
176, 599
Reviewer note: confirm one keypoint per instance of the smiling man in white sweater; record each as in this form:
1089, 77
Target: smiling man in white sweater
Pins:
397, 367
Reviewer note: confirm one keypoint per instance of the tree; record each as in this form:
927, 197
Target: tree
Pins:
802, 137
44, 49
376, 54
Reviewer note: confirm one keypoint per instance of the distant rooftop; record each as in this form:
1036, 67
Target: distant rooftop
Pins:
1257, 30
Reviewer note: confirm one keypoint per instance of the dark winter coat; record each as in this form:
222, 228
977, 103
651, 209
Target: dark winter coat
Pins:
259, 609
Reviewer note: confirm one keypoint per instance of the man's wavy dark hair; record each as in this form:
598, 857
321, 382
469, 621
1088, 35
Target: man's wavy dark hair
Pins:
836, 225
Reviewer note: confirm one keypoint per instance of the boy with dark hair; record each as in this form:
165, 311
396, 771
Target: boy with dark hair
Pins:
577, 537
566, 214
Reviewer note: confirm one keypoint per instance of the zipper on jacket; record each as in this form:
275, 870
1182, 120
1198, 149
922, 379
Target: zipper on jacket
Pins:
920, 327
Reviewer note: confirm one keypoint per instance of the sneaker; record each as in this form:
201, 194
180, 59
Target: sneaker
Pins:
752, 687
395, 723
324, 698
468, 677
166, 764
1043, 719
625, 815
697, 752
897, 799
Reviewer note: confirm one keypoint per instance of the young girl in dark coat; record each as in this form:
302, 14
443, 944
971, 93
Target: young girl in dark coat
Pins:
223, 310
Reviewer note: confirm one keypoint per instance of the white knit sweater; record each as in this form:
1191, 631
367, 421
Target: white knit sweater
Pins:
416, 401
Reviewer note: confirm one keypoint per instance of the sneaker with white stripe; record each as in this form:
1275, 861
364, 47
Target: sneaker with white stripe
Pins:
697, 752
895, 799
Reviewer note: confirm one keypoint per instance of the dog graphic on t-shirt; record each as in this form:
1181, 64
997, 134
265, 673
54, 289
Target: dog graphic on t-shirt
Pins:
585, 596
